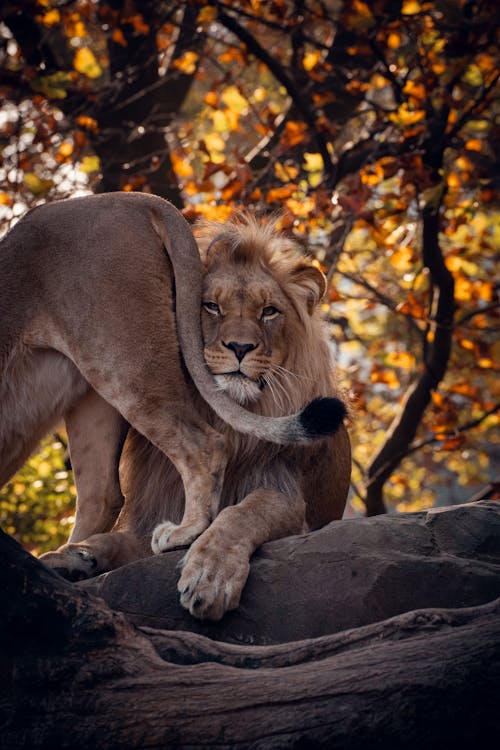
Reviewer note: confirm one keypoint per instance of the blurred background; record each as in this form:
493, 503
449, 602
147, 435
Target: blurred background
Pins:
372, 127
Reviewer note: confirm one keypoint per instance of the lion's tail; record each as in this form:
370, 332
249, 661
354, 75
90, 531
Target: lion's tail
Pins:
320, 418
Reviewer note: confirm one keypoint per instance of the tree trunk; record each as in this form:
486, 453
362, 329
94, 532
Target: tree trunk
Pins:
77, 674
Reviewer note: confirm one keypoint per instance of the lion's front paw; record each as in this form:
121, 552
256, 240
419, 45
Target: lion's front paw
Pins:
72, 561
169, 535
213, 577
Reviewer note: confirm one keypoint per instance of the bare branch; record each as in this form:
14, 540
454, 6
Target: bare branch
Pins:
415, 447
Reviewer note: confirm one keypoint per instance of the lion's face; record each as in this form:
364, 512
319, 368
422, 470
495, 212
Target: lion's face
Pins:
257, 300
244, 318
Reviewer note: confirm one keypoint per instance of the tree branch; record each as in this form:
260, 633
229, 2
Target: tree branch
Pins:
280, 74
403, 429
415, 447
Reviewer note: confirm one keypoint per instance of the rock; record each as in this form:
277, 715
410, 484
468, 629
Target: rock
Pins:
348, 574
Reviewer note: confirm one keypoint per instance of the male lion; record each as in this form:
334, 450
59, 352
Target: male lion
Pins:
88, 333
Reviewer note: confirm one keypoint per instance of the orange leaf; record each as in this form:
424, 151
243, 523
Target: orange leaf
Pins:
294, 133
474, 144
87, 123
233, 188
281, 193
452, 443
66, 149
187, 62
388, 377
211, 99
372, 175
5, 200
465, 389
50, 18
138, 23
413, 306
393, 40
181, 167
118, 37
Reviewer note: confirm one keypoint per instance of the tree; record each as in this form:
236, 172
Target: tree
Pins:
77, 674
369, 125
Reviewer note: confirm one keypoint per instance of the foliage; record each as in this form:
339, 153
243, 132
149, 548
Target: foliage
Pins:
37, 505
369, 125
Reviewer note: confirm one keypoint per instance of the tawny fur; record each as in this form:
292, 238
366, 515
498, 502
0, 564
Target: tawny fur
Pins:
266, 491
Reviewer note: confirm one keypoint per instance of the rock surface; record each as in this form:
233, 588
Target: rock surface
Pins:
349, 574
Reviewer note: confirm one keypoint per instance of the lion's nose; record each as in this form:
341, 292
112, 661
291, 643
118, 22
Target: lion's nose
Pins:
239, 349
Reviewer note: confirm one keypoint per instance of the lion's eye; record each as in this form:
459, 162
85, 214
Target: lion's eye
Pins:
212, 307
269, 312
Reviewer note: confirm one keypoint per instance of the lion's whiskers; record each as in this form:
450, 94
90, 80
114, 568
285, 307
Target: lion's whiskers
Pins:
273, 385
279, 369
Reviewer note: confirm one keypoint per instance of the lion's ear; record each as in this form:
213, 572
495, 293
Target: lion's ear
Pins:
311, 282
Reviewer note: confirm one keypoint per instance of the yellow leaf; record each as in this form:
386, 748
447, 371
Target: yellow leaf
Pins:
219, 120
473, 76
406, 116
50, 18
234, 100
313, 162
37, 185
286, 172
379, 81
404, 360
85, 62
187, 62
232, 119
66, 149
207, 15
311, 59
214, 212
214, 142
44, 469
90, 164
410, 8
303, 207
402, 258
416, 90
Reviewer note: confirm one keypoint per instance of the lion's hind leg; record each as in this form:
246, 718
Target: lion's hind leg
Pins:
95, 555
96, 433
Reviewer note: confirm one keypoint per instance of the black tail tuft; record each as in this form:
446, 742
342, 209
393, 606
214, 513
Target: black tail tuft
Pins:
323, 416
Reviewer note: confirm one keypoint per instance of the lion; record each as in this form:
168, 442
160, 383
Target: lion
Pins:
220, 433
